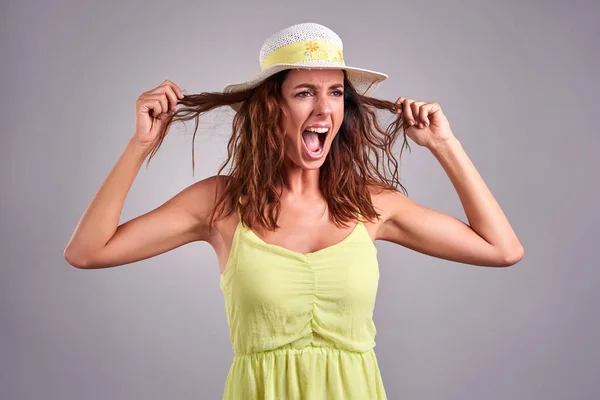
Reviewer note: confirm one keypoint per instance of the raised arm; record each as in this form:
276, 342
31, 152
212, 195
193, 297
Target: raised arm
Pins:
488, 240
182, 219
98, 241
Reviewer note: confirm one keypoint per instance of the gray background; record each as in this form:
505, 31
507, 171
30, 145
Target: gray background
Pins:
518, 82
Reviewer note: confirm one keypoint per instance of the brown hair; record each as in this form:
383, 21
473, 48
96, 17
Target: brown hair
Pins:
349, 170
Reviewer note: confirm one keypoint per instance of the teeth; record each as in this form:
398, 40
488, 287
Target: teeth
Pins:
318, 130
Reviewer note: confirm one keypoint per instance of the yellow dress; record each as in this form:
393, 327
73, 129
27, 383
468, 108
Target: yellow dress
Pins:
301, 325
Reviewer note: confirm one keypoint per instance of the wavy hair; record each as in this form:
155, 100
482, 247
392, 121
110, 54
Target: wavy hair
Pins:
360, 157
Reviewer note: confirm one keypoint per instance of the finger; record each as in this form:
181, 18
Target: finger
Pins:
163, 87
152, 106
164, 103
408, 112
176, 89
423, 114
430, 109
166, 90
399, 104
172, 97
159, 104
415, 111
418, 113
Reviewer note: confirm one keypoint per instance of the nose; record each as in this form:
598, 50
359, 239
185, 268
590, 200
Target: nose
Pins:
322, 105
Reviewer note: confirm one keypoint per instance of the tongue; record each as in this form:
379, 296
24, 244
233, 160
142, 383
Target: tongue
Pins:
312, 140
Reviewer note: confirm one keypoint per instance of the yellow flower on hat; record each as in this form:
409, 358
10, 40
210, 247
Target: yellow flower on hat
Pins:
312, 46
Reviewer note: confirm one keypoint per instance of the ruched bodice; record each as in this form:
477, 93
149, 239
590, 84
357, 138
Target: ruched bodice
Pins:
301, 325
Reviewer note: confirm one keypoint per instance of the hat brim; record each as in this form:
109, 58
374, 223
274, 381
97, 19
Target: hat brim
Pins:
364, 81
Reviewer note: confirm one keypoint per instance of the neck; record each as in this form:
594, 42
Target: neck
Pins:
301, 183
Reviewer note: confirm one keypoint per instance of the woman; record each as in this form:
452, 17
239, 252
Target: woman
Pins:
294, 221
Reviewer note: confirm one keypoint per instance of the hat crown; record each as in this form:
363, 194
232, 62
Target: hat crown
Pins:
298, 33
306, 46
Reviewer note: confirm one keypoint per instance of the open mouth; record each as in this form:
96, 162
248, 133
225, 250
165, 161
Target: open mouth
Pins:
314, 141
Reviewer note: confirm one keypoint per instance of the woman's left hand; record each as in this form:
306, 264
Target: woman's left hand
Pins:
424, 123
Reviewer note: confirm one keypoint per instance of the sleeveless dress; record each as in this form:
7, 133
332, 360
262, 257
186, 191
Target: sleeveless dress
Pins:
301, 325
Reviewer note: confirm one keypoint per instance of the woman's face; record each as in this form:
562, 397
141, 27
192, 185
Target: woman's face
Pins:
314, 101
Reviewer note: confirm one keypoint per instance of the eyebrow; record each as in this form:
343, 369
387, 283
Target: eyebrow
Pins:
313, 87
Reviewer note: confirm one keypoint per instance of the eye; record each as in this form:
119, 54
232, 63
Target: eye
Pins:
301, 93
339, 93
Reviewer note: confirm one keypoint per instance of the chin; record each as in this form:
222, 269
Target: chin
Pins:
313, 164
301, 160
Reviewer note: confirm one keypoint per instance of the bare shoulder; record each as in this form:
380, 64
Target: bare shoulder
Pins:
202, 200
184, 218
201, 196
386, 201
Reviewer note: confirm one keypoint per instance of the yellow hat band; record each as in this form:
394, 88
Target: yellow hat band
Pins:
305, 51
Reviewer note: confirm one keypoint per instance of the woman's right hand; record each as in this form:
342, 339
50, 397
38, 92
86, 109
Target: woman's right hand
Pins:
153, 109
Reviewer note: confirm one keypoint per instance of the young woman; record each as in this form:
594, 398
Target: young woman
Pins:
294, 220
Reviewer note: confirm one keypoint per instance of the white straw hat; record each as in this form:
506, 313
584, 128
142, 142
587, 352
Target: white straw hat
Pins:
306, 46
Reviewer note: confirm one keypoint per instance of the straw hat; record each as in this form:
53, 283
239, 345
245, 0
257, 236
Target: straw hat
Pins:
307, 46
